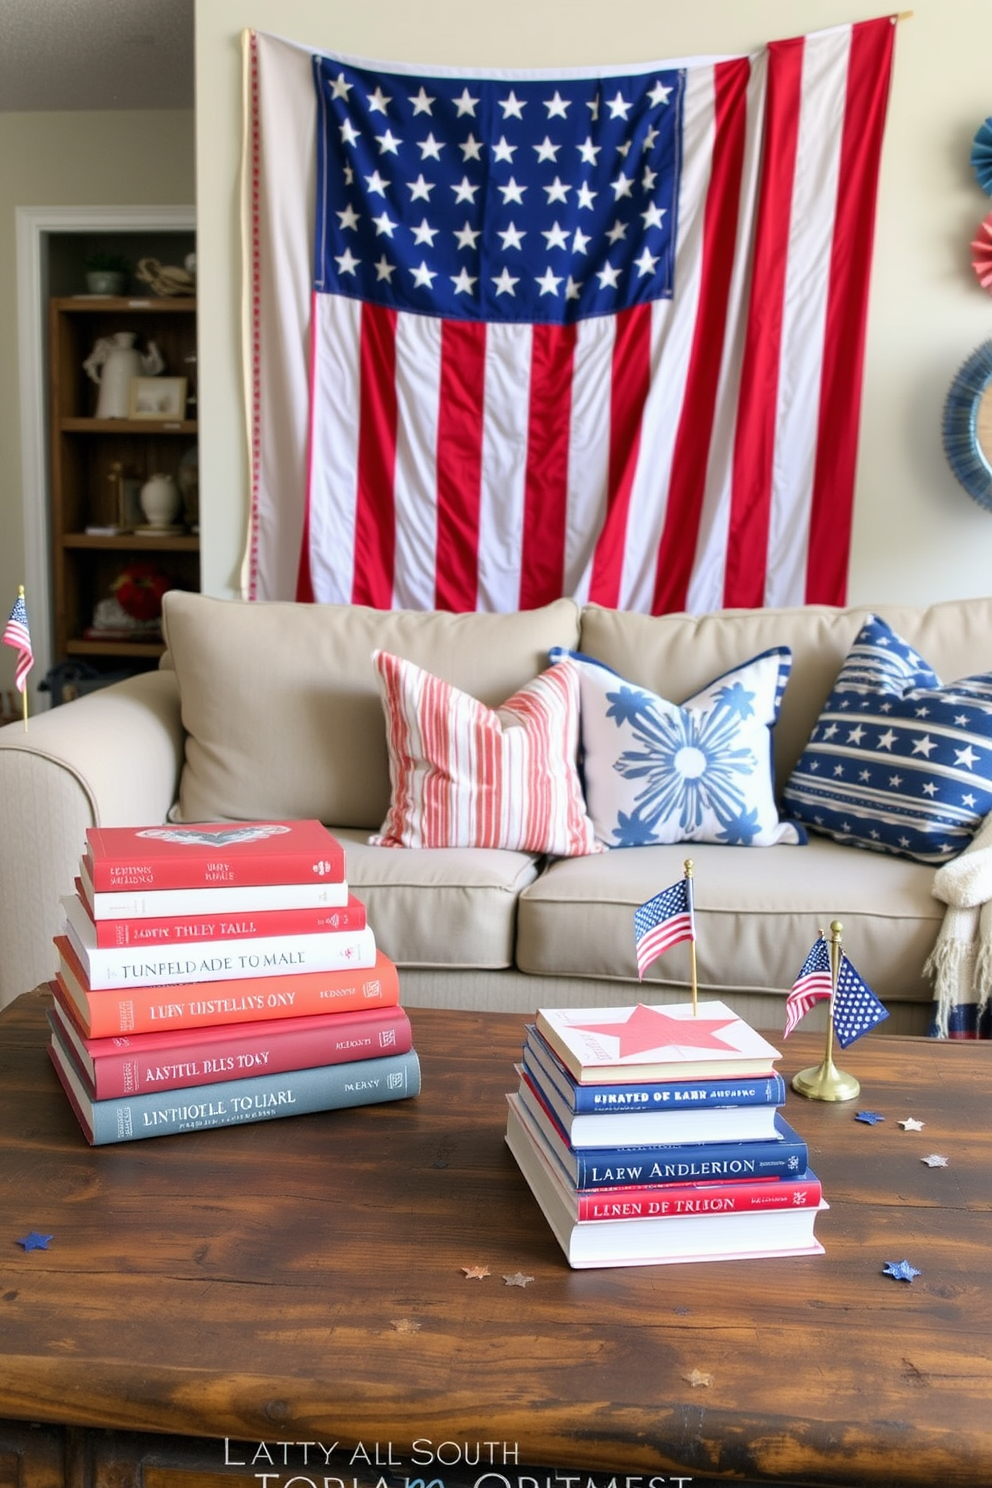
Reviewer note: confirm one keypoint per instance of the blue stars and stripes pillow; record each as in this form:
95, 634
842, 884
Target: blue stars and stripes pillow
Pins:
659, 772
897, 762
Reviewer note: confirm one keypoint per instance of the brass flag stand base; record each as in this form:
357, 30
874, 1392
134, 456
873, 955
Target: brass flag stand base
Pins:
825, 1081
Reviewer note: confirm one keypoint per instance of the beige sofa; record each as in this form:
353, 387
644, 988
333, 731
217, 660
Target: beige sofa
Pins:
272, 711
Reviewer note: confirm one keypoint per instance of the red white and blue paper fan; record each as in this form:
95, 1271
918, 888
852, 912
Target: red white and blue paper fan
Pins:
981, 156
962, 446
981, 254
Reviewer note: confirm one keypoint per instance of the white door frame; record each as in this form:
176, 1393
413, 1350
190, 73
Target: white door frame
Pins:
33, 224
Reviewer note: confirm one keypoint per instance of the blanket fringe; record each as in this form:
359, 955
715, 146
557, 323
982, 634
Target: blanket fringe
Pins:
951, 965
960, 963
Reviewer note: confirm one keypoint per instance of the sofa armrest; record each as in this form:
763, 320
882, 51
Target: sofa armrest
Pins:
111, 758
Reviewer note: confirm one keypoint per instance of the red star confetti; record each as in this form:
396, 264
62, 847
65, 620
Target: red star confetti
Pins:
405, 1325
650, 1028
934, 1160
475, 1273
870, 1118
901, 1270
911, 1124
517, 1279
34, 1241
698, 1377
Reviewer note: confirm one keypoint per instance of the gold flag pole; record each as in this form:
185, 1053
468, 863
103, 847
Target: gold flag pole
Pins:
692, 940
825, 1081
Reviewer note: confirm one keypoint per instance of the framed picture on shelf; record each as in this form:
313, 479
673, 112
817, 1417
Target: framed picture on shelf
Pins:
158, 398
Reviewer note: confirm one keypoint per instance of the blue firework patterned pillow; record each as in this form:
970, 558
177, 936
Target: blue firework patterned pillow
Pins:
897, 762
658, 772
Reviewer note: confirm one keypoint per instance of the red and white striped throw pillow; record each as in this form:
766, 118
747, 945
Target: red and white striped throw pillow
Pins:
464, 775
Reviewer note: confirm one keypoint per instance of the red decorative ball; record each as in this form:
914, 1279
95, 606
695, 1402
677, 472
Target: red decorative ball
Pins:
139, 589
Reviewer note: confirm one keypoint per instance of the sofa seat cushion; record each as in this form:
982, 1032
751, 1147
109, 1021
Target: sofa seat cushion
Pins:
439, 906
280, 702
757, 914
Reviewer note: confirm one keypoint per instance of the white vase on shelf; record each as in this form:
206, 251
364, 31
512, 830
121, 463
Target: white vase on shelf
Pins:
161, 501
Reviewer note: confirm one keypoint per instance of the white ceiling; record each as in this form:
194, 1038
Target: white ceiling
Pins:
96, 54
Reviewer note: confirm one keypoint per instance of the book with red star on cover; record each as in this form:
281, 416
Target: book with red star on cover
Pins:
645, 1042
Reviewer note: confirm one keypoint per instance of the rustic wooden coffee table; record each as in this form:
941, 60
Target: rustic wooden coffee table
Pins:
305, 1282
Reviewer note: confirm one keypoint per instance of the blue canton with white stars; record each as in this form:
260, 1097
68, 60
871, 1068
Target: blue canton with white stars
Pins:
897, 762
516, 199
856, 1009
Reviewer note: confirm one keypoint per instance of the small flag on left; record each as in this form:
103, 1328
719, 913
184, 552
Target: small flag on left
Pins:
813, 983
16, 634
662, 922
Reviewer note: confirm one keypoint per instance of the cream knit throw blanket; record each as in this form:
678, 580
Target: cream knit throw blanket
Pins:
960, 963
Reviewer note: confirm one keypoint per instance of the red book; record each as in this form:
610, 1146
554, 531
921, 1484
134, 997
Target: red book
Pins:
104, 1013
212, 855
143, 1063
183, 929
804, 1192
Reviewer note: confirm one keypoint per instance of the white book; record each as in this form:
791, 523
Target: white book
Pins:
146, 904
219, 960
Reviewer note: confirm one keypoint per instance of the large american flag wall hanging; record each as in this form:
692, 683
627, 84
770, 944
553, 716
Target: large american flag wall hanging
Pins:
593, 332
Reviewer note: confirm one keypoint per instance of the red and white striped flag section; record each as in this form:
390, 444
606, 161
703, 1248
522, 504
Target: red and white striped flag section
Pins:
588, 332
16, 634
662, 922
813, 983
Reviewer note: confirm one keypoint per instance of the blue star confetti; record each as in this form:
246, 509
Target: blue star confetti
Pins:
870, 1118
34, 1241
901, 1270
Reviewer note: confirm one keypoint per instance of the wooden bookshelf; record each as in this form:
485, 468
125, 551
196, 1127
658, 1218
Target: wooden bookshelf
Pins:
84, 451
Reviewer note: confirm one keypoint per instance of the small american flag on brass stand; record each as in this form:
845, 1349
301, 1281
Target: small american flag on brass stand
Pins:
662, 922
811, 985
16, 634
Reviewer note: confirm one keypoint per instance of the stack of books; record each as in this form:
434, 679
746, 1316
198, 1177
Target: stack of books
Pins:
218, 974
655, 1134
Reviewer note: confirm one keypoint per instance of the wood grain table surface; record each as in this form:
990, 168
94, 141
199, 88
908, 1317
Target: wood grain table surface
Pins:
304, 1279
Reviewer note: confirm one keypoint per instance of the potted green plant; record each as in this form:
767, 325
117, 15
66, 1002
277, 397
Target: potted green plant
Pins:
106, 273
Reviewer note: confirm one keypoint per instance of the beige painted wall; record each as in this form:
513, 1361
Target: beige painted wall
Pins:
64, 160
917, 537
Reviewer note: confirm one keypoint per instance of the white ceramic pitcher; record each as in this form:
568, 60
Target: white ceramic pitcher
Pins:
112, 363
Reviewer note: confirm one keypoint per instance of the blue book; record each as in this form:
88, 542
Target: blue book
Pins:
658, 1097
785, 1155
234, 1102
642, 1127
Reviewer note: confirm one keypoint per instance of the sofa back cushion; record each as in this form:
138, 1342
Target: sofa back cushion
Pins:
676, 655
281, 706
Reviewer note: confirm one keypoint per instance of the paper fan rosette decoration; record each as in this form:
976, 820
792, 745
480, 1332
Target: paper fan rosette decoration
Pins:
981, 156
967, 425
981, 254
